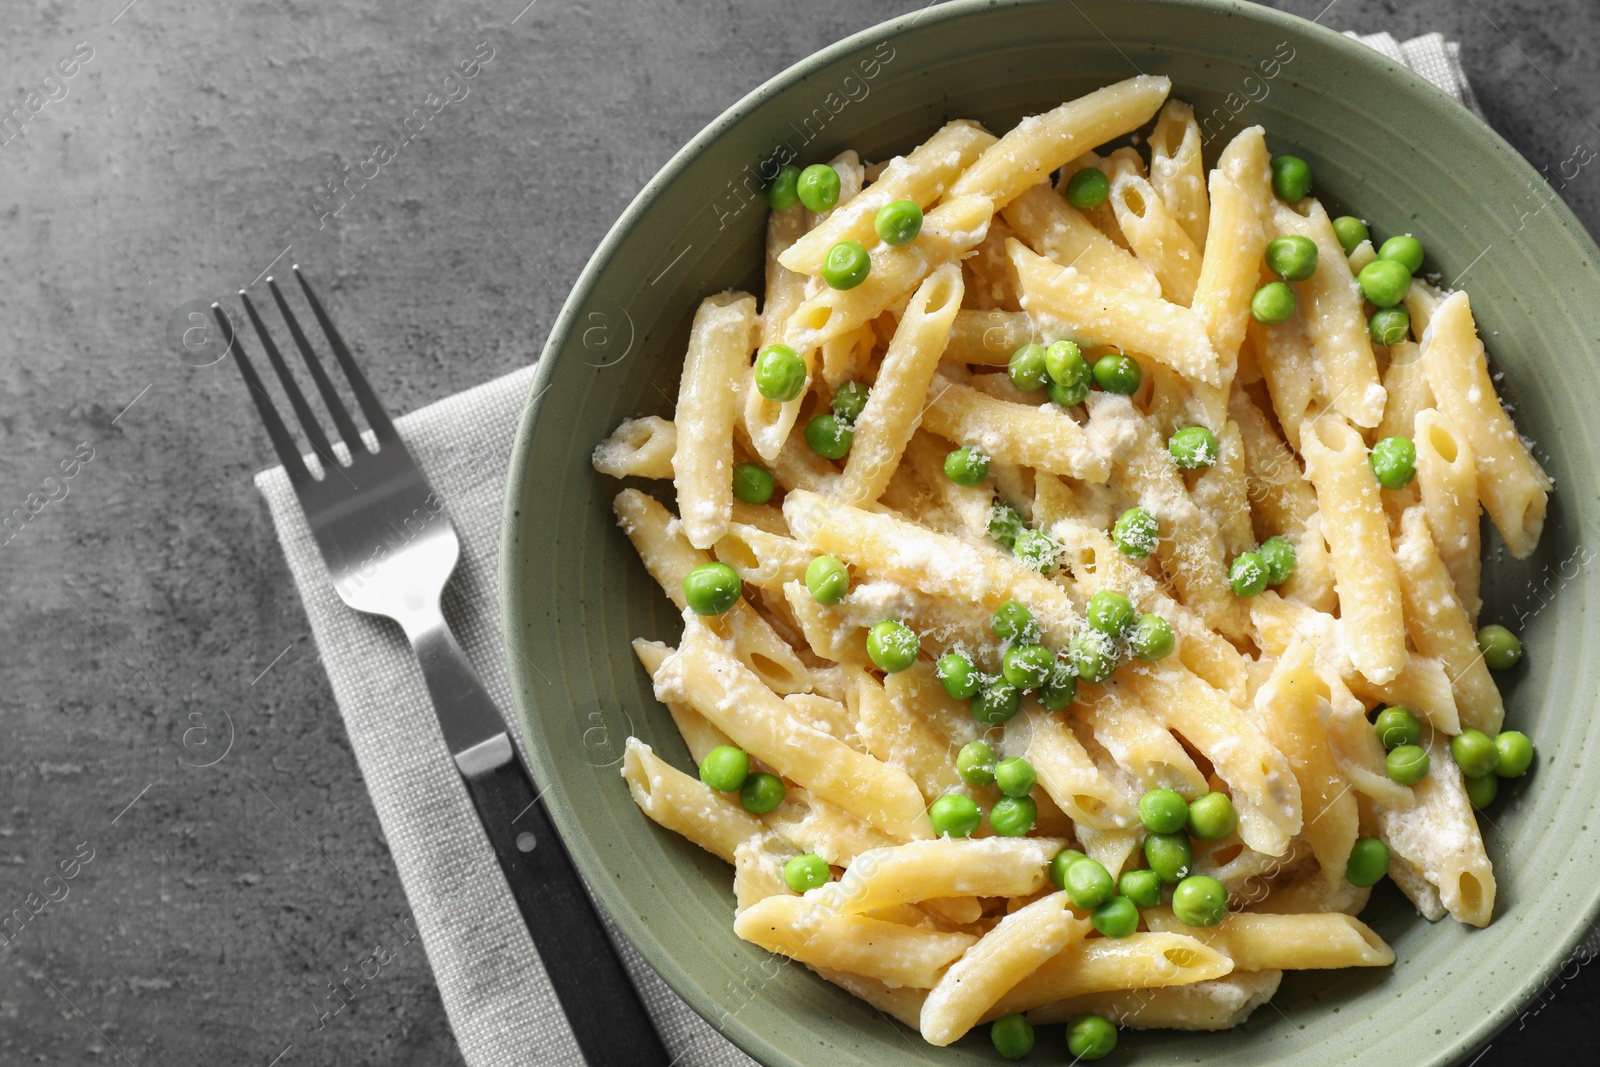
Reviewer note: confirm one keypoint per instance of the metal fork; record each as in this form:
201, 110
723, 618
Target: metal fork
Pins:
357, 513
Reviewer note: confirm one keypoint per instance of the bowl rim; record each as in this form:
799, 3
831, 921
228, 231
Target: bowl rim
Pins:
746, 1038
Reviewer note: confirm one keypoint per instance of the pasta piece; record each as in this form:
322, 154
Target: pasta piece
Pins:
758, 870
1156, 237
698, 734
945, 867
898, 1002
1222, 493
1110, 848
1334, 322
768, 422
705, 674
1513, 487
1140, 744
894, 405
1447, 477
1438, 836
1257, 942
991, 280
1284, 357
1406, 383
1365, 575
638, 448
811, 824
1046, 223
761, 558
1215, 1004
1001, 958
718, 356
894, 954
1044, 143
1032, 436
1099, 315
1439, 626
988, 337
1102, 964
1069, 774
1177, 171
686, 805
903, 741
1290, 709
921, 177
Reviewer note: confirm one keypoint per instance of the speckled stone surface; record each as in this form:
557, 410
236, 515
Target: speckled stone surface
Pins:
166, 733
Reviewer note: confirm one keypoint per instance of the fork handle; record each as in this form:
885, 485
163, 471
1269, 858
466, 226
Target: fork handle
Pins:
601, 1004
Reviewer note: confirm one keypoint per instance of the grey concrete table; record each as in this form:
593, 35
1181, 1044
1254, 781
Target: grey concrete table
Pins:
149, 627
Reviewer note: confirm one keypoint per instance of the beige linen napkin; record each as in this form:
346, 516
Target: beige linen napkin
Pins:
494, 989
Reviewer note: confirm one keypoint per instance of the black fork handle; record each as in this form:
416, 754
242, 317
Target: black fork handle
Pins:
600, 1002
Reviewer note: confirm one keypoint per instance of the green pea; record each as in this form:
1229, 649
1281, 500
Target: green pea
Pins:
1088, 188
752, 484
1037, 551
761, 793
1384, 282
1091, 1037
1063, 361
954, 815
1005, 523
829, 436
957, 674
1089, 884
1500, 647
1012, 1036
711, 588
1394, 461
898, 222
1163, 811
828, 579
850, 400
1351, 231
1406, 764
1067, 396
893, 645
1012, 621
1211, 817
1026, 368
1475, 753
1277, 554
1405, 250
1291, 177
784, 193
1396, 727
1482, 791
846, 265
1013, 816
1117, 917
1117, 373
966, 466
725, 768
1151, 639
995, 702
1369, 862
1058, 866
1516, 753
1062, 686
1111, 613
806, 872
1027, 666
818, 187
1293, 258
1273, 303
1092, 655
1136, 533
1248, 574
1015, 777
1143, 887
1194, 447
975, 763
780, 373
1389, 326
1200, 900
1171, 856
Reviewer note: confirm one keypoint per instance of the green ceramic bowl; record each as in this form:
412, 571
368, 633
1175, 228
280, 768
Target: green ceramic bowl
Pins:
1381, 142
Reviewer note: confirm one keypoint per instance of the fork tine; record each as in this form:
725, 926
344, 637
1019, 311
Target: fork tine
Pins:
282, 442
330, 398
297, 400
371, 406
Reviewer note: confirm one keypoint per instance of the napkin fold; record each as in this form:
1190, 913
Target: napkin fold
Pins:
500, 1003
